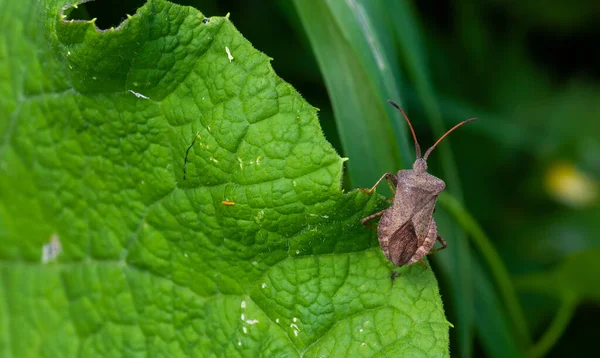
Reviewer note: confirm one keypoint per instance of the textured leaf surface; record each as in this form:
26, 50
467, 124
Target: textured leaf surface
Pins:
108, 251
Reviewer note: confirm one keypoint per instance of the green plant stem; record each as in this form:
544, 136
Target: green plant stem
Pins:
497, 269
555, 330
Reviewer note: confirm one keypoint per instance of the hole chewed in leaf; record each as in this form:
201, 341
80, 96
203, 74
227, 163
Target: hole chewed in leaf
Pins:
105, 13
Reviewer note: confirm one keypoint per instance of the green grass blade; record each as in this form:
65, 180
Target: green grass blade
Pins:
493, 325
359, 78
555, 330
373, 44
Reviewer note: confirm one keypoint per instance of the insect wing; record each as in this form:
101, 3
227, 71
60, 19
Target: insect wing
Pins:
423, 203
403, 244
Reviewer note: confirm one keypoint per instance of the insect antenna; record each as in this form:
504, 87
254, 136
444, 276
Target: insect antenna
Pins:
417, 147
444, 136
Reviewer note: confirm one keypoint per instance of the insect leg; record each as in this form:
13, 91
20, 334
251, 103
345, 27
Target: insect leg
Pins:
371, 217
388, 177
442, 241
422, 264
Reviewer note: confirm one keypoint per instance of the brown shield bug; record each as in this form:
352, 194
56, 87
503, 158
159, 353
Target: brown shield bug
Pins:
407, 231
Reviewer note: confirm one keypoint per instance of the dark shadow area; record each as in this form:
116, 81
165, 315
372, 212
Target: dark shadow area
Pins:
108, 13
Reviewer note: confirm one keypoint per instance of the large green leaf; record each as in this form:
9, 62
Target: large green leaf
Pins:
107, 250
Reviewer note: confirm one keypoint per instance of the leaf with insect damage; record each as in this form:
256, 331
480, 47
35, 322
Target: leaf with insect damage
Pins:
106, 248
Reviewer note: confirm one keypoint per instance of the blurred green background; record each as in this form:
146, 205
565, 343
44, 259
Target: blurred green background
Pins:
521, 276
